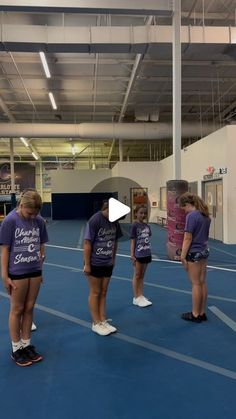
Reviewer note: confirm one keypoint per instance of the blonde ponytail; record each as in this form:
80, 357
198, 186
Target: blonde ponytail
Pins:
30, 198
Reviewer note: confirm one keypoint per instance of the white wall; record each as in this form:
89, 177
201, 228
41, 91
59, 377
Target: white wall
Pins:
217, 149
121, 178
74, 181
229, 188
209, 151
138, 174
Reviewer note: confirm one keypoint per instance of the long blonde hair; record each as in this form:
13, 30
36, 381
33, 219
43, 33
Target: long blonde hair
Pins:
196, 201
30, 198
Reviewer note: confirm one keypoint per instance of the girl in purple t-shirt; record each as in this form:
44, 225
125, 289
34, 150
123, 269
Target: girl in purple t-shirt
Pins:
23, 235
140, 254
195, 253
100, 245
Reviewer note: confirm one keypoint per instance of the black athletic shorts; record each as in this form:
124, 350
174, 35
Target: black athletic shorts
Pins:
101, 271
27, 275
196, 256
146, 259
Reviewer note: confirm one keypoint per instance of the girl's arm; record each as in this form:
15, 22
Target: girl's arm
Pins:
114, 253
87, 256
42, 255
132, 250
185, 248
7, 282
4, 262
42, 252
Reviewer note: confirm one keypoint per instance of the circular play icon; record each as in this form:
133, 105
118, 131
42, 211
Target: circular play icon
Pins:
123, 196
117, 210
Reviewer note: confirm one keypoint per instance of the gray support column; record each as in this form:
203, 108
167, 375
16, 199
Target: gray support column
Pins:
41, 178
13, 192
176, 57
120, 150
175, 217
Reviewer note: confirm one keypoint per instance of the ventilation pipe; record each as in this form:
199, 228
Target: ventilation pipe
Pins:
102, 131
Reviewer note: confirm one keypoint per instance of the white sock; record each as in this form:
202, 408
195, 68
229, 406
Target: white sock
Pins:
25, 342
16, 346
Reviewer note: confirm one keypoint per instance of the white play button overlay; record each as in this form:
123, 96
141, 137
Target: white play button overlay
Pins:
117, 209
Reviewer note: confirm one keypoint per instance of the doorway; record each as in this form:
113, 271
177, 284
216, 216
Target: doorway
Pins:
213, 193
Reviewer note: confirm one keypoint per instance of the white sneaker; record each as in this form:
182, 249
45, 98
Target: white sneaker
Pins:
100, 329
147, 300
141, 301
33, 327
109, 326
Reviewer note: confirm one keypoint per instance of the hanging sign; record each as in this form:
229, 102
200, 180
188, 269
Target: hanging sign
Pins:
24, 177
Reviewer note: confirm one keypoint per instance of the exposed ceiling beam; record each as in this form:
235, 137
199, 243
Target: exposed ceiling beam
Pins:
133, 75
208, 16
76, 92
32, 58
105, 39
12, 119
109, 104
94, 90
133, 7
23, 112
82, 114
228, 109
136, 65
23, 83
65, 77
6, 111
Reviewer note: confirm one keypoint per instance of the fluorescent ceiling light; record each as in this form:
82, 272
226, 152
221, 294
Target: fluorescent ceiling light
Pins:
45, 64
35, 155
73, 149
24, 141
53, 103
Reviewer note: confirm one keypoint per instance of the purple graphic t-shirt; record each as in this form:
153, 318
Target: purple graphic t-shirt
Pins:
198, 225
141, 233
103, 234
24, 238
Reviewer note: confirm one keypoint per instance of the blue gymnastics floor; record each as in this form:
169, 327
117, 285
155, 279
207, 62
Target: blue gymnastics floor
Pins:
157, 366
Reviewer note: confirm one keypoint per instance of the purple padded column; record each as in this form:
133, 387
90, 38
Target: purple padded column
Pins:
175, 218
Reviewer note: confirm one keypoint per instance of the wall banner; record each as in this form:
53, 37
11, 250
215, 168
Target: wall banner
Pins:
24, 177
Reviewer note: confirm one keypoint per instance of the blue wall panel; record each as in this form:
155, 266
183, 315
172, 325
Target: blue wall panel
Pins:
68, 206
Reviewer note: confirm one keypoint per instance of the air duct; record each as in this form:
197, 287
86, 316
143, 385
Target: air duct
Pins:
102, 131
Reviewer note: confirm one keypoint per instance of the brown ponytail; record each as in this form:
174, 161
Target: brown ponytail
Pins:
196, 201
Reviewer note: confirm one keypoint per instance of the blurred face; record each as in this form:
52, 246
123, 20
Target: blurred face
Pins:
105, 213
187, 208
141, 214
28, 213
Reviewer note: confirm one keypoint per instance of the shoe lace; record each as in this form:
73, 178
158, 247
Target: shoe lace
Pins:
145, 299
102, 324
31, 350
21, 355
107, 322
